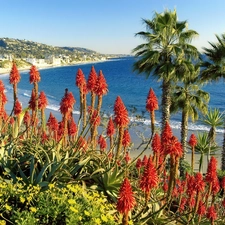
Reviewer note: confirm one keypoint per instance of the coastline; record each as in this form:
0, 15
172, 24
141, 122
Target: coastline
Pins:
4, 71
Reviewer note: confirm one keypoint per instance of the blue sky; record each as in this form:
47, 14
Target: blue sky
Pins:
106, 26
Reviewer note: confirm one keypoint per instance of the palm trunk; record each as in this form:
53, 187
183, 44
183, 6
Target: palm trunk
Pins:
166, 102
184, 134
223, 151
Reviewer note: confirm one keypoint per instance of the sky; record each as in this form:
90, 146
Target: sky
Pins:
105, 26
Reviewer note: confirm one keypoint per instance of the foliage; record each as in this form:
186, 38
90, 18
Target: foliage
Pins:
21, 204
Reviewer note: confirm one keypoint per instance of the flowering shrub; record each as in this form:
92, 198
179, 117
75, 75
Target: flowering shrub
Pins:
43, 164
21, 204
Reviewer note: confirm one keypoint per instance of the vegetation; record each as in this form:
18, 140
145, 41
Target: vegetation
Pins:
72, 172
20, 49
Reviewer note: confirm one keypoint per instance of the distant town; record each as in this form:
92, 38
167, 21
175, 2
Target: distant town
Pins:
26, 53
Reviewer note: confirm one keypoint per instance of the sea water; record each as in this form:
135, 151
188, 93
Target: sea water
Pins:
122, 81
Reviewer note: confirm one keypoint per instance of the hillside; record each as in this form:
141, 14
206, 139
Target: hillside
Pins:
25, 48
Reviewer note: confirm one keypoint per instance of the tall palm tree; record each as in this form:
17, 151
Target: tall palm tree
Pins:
167, 40
188, 98
213, 69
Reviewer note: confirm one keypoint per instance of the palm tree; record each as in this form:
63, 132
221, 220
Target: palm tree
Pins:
213, 69
213, 118
188, 98
203, 148
167, 41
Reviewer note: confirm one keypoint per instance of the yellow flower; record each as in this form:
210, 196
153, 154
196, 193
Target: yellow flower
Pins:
104, 218
71, 201
130, 222
32, 209
8, 207
22, 199
97, 221
51, 186
73, 209
86, 213
2, 222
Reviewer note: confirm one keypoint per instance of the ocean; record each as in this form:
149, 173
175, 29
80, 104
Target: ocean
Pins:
122, 81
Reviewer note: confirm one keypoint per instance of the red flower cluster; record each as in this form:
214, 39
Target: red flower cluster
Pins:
110, 128
126, 200
149, 178
193, 140
92, 80
211, 173
42, 101
14, 76
102, 143
121, 115
34, 75
72, 127
67, 102
101, 87
126, 139
52, 123
211, 213
17, 108
152, 101
26, 118
156, 144
174, 147
80, 79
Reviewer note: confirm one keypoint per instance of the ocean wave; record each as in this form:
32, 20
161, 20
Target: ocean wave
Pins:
175, 125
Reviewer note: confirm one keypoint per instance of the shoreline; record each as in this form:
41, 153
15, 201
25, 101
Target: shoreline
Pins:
5, 71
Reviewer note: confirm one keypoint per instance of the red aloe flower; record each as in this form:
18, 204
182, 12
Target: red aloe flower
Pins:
110, 128
149, 178
126, 139
199, 184
126, 200
42, 101
80, 79
67, 102
121, 115
174, 147
211, 173
201, 208
44, 137
26, 118
215, 186
152, 101
193, 140
102, 143
92, 79
52, 123
17, 108
72, 129
14, 76
138, 164
34, 75
32, 100
101, 87
95, 118
156, 144
211, 213
144, 161
182, 205
166, 136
